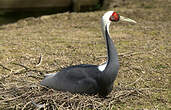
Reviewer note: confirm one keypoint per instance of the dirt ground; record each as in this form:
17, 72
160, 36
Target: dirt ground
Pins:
32, 47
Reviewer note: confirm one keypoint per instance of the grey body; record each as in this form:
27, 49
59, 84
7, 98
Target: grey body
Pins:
76, 79
87, 78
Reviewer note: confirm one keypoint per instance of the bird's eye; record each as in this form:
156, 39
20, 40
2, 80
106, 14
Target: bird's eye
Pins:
114, 17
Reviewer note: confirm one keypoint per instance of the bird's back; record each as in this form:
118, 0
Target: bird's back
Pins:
76, 79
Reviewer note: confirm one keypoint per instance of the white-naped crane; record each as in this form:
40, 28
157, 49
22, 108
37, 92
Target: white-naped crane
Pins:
86, 78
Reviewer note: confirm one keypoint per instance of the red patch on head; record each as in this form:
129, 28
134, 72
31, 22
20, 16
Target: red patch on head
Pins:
114, 17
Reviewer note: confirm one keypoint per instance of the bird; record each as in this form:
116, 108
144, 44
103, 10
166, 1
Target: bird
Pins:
87, 78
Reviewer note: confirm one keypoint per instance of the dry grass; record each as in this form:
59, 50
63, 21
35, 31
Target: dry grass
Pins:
32, 47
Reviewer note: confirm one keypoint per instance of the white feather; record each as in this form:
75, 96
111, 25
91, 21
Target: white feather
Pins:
50, 74
102, 67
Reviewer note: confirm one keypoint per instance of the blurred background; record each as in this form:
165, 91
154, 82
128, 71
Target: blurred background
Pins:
12, 10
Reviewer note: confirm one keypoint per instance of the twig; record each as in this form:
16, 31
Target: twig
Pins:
27, 69
10, 99
128, 54
77, 108
36, 77
40, 60
18, 71
160, 89
54, 103
125, 93
134, 81
26, 105
5, 67
21, 66
61, 106
123, 54
73, 97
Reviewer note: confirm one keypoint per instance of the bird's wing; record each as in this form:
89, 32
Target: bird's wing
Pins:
74, 80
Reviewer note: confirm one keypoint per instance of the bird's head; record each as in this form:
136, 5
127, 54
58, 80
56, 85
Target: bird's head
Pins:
111, 16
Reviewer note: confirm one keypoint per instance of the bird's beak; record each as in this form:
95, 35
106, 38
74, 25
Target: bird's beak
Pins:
127, 19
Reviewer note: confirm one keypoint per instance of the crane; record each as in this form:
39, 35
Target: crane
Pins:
87, 78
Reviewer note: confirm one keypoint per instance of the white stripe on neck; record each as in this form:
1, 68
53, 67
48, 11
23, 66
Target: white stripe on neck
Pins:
105, 23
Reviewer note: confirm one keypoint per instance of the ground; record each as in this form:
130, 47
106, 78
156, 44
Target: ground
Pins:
32, 47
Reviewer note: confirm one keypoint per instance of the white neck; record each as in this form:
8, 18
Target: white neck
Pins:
105, 22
